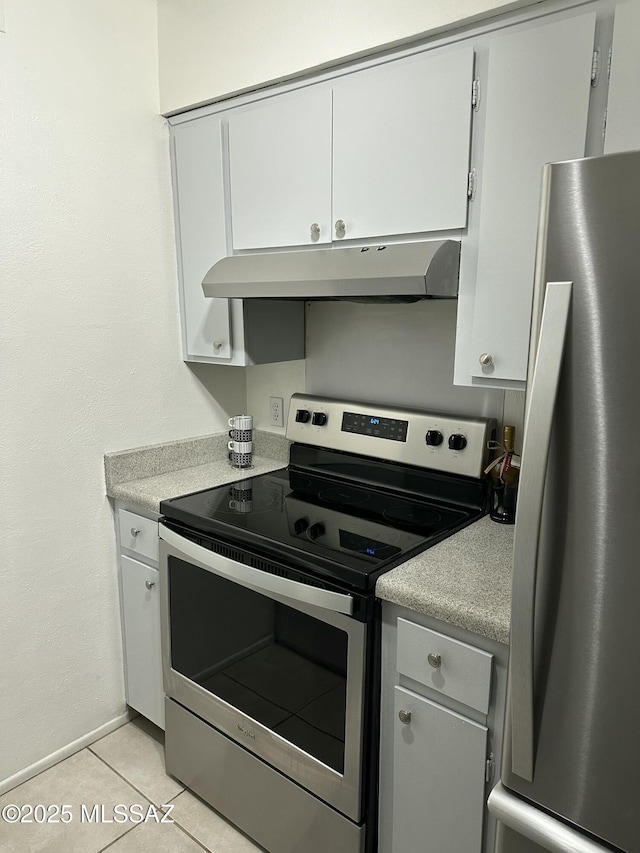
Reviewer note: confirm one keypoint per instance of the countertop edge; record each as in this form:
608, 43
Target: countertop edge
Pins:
141, 463
148, 492
464, 580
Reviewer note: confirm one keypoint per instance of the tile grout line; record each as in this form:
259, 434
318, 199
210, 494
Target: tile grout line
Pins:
115, 840
176, 822
178, 826
146, 797
124, 779
183, 828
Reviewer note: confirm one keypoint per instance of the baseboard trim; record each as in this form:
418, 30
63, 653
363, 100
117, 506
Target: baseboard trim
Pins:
60, 754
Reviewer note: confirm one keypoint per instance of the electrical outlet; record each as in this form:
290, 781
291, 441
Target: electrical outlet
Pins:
276, 410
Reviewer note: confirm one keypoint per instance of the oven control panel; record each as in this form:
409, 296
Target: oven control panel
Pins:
376, 425
455, 444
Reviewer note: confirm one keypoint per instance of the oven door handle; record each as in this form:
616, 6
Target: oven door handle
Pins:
256, 579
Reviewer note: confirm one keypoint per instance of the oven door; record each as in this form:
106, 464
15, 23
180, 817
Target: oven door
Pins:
275, 664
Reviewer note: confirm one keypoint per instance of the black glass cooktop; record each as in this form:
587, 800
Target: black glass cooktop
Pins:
349, 528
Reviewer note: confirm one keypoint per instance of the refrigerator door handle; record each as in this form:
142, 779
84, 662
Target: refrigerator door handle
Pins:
543, 829
535, 454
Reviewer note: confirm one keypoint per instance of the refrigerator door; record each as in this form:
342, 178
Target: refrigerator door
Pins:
580, 562
524, 829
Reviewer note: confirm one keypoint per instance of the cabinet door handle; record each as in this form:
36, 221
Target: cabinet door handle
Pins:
217, 346
340, 228
486, 359
135, 531
149, 584
434, 660
405, 717
315, 231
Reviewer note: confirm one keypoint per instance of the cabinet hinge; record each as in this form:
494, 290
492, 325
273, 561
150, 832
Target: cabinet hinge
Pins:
609, 65
604, 127
475, 94
595, 67
471, 185
490, 768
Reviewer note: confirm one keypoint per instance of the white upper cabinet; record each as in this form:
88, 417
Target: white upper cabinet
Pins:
381, 152
280, 165
219, 331
537, 104
201, 235
623, 110
401, 136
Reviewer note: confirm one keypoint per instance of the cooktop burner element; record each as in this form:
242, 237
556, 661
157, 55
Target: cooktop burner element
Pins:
343, 495
362, 493
413, 515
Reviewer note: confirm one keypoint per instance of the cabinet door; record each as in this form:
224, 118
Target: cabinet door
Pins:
141, 624
401, 136
201, 238
623, 109
280, 164
439, 778
537, 101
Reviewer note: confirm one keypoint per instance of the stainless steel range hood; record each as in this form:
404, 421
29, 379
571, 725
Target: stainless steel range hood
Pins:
400, 272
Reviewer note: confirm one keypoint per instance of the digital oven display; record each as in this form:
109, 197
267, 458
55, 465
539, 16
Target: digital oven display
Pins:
374, 425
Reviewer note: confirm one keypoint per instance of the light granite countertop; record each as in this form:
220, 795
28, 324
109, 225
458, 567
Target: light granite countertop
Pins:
464, 580
144, 476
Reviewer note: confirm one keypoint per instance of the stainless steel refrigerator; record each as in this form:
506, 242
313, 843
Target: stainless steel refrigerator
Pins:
571, 770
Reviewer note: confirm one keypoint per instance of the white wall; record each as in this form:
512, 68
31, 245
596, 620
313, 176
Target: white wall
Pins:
396, 354
90, 349
272, 380
211, 50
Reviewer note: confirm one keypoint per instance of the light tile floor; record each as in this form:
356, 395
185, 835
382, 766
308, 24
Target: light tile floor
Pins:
124, 768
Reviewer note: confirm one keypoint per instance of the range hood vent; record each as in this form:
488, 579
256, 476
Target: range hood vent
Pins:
400, 272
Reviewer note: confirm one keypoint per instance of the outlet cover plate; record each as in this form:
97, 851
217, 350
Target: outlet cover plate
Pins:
276, 411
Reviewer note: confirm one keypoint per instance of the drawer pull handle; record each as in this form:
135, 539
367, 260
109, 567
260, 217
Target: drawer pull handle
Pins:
434, 660
405, 717
135, 531
149, 584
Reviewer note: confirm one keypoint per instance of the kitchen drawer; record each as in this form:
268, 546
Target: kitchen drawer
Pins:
457, 670
138, 534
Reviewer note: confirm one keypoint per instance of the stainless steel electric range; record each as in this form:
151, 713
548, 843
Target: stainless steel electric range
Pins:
270, 626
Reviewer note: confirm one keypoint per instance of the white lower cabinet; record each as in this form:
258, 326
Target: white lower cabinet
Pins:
442, 709
438, 777
140, 612
141, 629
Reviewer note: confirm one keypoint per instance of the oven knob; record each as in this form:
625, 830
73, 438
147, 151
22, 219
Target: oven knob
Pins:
316, 530
457, 441
302, 416
300, 525
434, 437
319, 419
